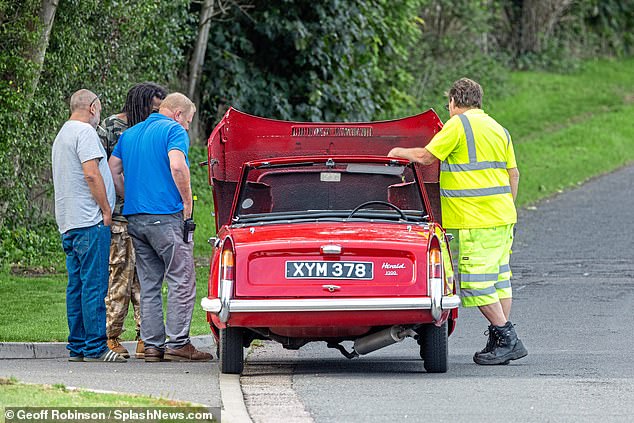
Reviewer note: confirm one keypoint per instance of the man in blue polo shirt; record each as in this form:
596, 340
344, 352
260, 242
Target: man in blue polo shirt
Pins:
158, 199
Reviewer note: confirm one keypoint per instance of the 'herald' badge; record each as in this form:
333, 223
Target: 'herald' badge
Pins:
392, 269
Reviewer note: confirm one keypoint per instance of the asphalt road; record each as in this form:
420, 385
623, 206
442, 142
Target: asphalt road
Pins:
573, 266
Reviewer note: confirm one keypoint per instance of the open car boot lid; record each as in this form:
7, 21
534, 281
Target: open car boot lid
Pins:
240, 138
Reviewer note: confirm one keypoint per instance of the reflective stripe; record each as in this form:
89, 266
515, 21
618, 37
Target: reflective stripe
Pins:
465, 167
478, 277
505, 268
503, 284
468, 131
508, 137
477, 292
473, 164
479, 192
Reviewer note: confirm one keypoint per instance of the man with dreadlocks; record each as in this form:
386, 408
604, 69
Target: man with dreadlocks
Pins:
123, 286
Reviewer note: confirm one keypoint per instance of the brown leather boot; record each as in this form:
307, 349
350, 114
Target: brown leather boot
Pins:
115, 345
153, 355
186, 353
140, 350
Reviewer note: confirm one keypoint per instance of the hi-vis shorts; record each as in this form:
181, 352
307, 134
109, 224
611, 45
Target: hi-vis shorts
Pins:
483, 265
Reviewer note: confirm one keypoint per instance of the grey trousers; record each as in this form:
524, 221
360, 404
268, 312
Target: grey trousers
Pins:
161, 254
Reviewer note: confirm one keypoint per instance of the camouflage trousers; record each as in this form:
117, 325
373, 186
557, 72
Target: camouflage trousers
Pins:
123, 284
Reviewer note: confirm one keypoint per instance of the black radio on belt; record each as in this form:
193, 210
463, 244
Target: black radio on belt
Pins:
189, 226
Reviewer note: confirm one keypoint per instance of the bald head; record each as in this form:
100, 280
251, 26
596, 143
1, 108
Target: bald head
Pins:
85, 106
82, 99
178, 107
178, 102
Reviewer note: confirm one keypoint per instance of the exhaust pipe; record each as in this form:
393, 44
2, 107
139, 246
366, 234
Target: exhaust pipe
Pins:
380, 339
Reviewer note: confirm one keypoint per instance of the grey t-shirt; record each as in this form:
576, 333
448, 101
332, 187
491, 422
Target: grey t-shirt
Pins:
76, 143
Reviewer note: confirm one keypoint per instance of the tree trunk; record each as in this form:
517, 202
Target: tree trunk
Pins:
197, 61
37, 53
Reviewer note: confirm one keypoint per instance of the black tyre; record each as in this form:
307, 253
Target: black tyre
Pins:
231, 356
434, 348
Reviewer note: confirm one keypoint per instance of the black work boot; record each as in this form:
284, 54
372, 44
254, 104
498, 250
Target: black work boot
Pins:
507, 347
491, 343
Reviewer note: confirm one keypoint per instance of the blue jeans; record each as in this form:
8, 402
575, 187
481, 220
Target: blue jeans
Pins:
87, 252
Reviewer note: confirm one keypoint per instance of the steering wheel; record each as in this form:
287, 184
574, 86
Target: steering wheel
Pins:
384, 203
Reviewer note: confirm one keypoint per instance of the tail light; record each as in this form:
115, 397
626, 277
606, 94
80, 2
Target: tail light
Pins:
227, 264
435, 280
227, 279
435, 263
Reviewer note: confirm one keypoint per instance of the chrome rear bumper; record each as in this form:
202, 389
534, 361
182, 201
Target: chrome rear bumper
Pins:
327, 304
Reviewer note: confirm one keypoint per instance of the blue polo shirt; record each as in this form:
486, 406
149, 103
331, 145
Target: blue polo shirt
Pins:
148, 183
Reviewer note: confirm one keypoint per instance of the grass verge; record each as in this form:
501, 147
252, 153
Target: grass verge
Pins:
16, 394
568, 128
204, 205
33, 309
568, 157
58, 397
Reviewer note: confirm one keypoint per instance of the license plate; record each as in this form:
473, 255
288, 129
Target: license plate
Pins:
329, 270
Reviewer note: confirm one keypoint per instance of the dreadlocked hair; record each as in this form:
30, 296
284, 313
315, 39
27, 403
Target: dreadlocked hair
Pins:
138, 102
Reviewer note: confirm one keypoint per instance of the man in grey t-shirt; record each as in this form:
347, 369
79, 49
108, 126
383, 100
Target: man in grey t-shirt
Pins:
84, 198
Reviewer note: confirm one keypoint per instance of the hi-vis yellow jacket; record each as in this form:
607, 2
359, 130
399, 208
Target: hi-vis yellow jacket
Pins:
476, 152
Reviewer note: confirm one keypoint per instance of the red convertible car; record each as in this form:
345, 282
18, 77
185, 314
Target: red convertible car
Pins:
321, 237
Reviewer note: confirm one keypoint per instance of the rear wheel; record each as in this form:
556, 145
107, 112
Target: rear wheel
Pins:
434, 348
231, 356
